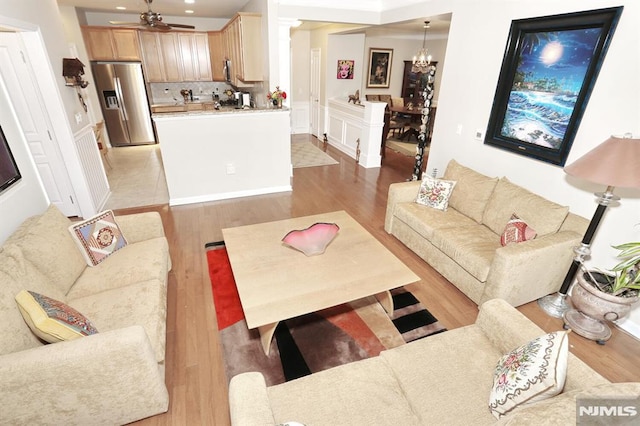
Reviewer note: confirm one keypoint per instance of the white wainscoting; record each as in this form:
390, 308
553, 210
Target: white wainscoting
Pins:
348, 123
300, 117
92, 167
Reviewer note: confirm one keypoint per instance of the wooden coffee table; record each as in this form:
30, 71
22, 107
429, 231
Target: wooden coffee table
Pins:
276, 282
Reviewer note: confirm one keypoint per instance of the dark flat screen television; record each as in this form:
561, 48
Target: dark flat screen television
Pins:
9, 173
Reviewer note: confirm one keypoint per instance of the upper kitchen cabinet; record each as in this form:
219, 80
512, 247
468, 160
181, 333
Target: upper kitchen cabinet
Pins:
194, 52
161, 57
111, 44
175, 56
243, 36
217, 53
152, 58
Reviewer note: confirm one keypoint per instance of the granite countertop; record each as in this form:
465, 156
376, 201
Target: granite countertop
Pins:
223, 110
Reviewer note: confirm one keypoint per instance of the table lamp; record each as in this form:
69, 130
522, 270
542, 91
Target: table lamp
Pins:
615, 162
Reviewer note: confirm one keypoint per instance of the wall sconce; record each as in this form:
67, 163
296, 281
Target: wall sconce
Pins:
72, 71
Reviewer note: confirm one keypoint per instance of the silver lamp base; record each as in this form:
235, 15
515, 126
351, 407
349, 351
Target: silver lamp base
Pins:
555, 305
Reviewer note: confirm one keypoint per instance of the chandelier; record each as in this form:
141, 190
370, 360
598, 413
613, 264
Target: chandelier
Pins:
422, 59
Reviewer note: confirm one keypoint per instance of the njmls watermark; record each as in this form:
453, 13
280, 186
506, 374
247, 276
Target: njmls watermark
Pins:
607, 411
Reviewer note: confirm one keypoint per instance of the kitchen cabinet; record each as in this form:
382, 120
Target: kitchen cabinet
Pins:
111, 44
194, 53
161, 57
171, 60
189, 106
243, 41
175, 56
217, 55
152, 58
167, 108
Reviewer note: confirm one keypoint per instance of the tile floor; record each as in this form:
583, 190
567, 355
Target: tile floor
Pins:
136, 177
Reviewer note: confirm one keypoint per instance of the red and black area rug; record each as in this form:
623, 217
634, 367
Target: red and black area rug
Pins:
312, 342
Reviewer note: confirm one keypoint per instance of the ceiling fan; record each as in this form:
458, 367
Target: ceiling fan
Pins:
152, 21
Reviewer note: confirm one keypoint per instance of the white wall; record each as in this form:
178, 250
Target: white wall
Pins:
300, 57
344, 47
201, 166
27, 197
75, 42
300, 81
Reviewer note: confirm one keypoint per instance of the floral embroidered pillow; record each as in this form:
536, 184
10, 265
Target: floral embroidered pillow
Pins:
435, 193
532, 372
517, 231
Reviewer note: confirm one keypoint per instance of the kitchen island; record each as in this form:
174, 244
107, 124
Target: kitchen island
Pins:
226, 153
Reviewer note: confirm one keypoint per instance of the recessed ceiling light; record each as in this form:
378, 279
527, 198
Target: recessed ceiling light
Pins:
188, 11
121, 8
189, 1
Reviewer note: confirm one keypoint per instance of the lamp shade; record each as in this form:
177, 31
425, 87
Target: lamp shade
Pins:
615, 162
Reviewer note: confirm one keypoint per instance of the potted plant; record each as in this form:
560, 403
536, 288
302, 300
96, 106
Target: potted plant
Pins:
605, 296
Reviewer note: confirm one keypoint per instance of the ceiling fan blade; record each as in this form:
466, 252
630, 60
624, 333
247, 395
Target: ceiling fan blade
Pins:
191, 27
124, 23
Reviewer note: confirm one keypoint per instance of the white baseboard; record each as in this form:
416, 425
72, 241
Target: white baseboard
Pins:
228, 195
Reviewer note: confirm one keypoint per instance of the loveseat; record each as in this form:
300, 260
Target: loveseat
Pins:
113, 377
463, 242
444, 379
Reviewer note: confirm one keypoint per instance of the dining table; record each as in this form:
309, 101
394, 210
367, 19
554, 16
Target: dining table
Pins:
414, 114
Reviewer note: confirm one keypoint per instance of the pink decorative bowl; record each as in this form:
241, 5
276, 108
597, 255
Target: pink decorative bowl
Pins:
312, 240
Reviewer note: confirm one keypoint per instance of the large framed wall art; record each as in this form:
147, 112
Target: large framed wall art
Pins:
548, 71
379, 67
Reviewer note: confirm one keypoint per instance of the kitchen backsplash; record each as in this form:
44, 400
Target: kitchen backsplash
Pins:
170, 92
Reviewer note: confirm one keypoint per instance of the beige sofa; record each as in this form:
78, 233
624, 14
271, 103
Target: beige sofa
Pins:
463, 242
443, 379
113, 377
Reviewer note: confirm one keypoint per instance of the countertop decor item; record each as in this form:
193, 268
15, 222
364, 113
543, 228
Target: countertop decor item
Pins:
277, 96
312, 240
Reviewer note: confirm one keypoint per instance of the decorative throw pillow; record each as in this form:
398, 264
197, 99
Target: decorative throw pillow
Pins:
532, 372
98, 237
435, 192
52, 320
516, 231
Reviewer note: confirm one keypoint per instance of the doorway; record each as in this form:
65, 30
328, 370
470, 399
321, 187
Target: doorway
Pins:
136, 177
18, 74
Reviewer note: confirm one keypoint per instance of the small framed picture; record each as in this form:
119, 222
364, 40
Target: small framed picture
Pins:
345, 69
379, 67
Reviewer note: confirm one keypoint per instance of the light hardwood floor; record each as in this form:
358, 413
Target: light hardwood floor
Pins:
194, 367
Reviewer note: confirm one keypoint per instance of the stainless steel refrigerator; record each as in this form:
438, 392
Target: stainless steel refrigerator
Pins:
124, 102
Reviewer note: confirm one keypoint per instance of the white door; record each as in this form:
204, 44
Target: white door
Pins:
315, 92
34, 121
